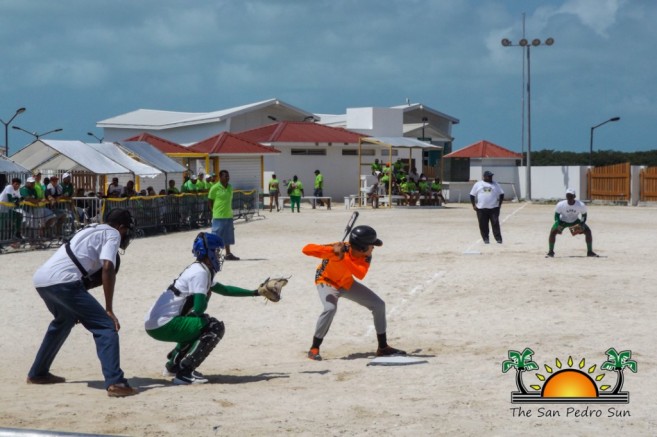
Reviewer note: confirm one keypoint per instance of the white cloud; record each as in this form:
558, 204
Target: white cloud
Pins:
599, 15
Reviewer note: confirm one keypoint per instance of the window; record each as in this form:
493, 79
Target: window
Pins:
384, 152
314, 152
354, 152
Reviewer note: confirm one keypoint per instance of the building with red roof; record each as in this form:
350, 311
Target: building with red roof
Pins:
244, 159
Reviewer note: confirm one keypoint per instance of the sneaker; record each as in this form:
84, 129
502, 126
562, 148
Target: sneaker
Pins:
186, 378
388, 351
48, 378
550, 254
486, 241
120, 390
313, 354
499, 240
593, 254
231, 257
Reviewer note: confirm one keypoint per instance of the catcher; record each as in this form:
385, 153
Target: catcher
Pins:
179, 315
571, 214
334, 279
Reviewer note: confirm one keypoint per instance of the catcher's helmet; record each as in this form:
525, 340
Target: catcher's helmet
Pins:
210, 245
363, 236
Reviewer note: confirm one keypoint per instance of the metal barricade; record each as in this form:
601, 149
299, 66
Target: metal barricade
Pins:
245, 204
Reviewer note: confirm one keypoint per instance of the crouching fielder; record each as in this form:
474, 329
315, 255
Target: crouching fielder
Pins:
567, 214
334, 279
179, 315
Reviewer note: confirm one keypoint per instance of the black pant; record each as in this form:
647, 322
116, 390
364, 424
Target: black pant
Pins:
484, 215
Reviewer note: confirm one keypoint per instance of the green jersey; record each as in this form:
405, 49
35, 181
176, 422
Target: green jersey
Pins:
222, 201
297, 187
319, 181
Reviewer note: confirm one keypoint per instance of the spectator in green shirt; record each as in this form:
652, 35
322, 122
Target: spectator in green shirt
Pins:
295, 191
190, 185
319, 186
220, 201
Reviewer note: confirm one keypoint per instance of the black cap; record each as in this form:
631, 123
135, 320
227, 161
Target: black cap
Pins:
488, 173
316, 171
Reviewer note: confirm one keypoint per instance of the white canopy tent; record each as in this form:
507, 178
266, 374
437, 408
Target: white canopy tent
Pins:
114, 152
393, 143
55, 157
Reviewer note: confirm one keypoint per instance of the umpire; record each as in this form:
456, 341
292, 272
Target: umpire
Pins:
60, 283
486, 197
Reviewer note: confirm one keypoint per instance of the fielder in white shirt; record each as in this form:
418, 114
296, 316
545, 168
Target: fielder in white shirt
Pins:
571, 213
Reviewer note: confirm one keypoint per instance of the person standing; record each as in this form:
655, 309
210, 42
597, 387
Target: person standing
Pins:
334, 279
114, 189
488, 196
567, 214
295, 191
319, 186
12, 194
274, 192
220, 201
59, 282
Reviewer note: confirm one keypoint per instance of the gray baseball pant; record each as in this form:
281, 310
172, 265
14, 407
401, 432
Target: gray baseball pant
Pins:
357, 293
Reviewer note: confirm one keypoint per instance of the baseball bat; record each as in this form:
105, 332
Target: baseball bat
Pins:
350, 225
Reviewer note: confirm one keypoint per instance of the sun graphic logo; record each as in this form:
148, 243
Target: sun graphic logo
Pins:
570, 385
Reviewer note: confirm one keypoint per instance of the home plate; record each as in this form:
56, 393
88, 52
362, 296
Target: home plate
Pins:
395, 360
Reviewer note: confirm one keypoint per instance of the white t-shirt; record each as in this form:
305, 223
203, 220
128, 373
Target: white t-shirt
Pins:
487, 194
570, 213
195, 279
9, 191
90, 246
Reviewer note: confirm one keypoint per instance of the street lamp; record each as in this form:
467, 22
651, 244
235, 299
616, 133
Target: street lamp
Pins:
37, 135
91, 134
18, 111
591, 138
424, 123
527, 45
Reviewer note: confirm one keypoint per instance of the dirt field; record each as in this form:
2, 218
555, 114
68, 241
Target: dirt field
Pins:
451, 300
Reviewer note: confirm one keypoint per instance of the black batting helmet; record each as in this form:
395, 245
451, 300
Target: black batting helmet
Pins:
363, 236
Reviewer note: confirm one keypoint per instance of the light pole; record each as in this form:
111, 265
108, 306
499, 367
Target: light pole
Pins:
91, 134
526, 45
18, 111
424, 123
591, 138
37, 135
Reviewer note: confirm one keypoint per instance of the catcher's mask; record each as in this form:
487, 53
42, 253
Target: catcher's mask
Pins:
363, 236
209, 245
122, 217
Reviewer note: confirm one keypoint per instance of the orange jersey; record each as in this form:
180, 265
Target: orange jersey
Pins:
336, 272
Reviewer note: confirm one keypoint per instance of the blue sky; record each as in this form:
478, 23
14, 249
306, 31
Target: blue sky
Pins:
73, 63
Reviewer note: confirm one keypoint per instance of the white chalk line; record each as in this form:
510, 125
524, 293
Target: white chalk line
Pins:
405, 299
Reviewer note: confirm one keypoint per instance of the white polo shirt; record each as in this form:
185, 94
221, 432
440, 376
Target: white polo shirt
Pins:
91, 246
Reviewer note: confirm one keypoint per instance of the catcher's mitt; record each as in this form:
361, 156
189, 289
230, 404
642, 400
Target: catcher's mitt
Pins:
576, 230
271, 288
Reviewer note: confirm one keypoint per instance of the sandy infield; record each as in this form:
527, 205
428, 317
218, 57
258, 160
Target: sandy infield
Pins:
457, 303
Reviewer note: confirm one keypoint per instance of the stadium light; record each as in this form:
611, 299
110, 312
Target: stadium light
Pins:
591, 138
35, 134
91, 134
18, 111
526, 46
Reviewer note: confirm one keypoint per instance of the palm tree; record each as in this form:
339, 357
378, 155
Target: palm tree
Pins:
617, 362
521, 362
